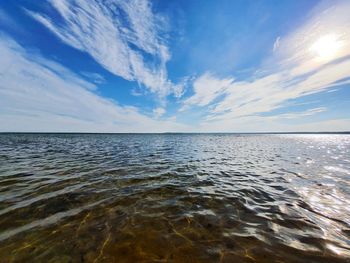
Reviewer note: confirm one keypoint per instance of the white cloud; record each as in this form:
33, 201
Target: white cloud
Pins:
119, 35
37, 94
273, 91
285, 122
330, 18
264, 124
94, 77
294, 115
206, 88
292, 71
158, 112
276, 44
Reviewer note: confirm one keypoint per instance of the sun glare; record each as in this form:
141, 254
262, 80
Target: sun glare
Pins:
326, 47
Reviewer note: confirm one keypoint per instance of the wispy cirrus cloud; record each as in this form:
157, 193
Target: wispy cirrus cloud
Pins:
294, 115
124, 37
94, 77
158, 112
292, 70
206, 89
37, 94
276, 44
275, 124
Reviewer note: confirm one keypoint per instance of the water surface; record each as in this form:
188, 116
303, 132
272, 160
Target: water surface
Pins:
174, 198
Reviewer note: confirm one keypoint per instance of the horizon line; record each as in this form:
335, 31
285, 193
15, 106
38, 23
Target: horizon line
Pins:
111, 133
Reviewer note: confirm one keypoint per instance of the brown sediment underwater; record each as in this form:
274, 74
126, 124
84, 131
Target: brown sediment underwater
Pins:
174, 198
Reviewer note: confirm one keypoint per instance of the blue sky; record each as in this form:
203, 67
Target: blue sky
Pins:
180, 66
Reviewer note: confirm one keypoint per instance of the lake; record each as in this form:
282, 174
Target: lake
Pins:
174, 198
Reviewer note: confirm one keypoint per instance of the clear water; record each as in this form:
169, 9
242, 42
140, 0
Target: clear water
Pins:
174, 198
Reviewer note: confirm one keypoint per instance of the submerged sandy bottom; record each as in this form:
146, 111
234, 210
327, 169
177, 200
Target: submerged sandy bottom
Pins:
174, 198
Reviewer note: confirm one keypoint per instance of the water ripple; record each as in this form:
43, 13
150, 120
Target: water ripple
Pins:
174, 198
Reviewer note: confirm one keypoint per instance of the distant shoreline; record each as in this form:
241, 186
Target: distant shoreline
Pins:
174, 133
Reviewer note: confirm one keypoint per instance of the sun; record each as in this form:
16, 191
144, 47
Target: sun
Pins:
326, 47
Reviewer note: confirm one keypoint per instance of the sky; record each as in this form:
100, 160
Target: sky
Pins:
174, 66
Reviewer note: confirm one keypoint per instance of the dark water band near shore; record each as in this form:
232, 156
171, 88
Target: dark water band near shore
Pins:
174, 198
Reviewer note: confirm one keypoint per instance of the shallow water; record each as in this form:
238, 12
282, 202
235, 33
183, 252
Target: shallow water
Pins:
174, 198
